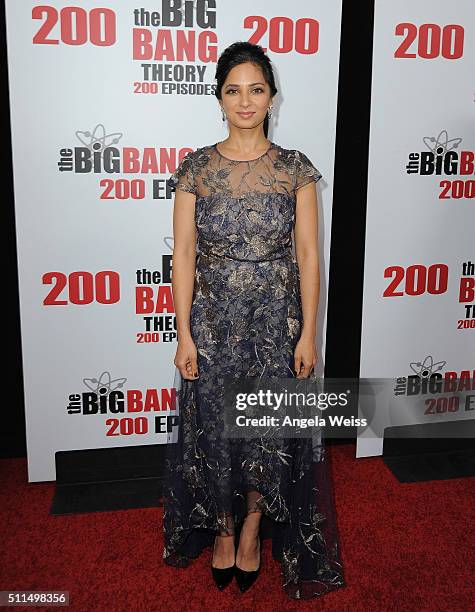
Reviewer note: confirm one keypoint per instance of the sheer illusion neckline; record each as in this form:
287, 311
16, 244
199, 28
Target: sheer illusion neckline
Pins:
243, 161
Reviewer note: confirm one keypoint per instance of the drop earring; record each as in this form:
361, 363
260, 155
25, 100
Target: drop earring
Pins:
269, 111
223, 114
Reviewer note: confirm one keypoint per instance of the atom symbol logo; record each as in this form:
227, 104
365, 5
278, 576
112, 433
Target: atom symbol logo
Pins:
104, 385
441, 144
427, 367
98, 140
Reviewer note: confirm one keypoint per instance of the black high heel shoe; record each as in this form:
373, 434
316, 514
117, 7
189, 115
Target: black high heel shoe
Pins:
222, 576
246, 579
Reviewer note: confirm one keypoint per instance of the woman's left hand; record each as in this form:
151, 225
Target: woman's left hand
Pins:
305, 357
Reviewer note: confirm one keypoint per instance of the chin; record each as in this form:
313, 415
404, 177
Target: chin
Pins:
253, 122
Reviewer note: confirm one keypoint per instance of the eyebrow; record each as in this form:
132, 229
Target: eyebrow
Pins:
250, 84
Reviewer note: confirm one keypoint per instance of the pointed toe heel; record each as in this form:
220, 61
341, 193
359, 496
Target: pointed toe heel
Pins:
245, 579
223, 576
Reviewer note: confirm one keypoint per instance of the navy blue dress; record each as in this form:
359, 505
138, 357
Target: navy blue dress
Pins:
245, 320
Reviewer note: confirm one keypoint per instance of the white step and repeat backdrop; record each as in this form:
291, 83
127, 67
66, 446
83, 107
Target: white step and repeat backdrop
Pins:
419, 274
106, 98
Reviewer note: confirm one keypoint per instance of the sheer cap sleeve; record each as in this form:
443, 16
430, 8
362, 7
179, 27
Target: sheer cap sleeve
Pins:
183, 178
305, 171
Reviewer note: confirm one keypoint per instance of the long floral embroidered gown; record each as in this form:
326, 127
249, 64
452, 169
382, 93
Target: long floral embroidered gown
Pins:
245, 320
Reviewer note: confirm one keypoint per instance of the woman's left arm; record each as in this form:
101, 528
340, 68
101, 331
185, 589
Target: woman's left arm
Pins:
306, 250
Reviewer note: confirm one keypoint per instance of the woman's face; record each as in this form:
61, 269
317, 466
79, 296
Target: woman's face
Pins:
245, 91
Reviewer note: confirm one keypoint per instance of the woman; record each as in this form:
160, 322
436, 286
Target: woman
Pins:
246, 308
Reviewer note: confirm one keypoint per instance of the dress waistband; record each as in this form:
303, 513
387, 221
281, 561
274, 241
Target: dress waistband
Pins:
287, 250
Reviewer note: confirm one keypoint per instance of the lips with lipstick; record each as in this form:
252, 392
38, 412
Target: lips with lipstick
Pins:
246, 115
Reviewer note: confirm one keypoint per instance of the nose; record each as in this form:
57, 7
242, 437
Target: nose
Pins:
245, 100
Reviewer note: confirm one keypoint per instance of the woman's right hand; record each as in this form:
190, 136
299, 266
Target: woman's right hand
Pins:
186, 359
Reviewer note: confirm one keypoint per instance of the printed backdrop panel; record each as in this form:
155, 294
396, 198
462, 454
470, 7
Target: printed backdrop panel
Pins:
419, 281
106, 99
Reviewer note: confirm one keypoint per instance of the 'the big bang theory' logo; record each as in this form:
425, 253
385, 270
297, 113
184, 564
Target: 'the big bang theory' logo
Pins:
443, 387
183, 32
443, 157
133, 411
98, 154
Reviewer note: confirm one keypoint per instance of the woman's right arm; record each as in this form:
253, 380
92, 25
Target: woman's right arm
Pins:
183, 279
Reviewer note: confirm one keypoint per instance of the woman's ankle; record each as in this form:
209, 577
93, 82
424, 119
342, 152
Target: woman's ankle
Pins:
222, 550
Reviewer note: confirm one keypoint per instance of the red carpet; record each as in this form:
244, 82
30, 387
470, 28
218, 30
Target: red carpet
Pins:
405, 547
